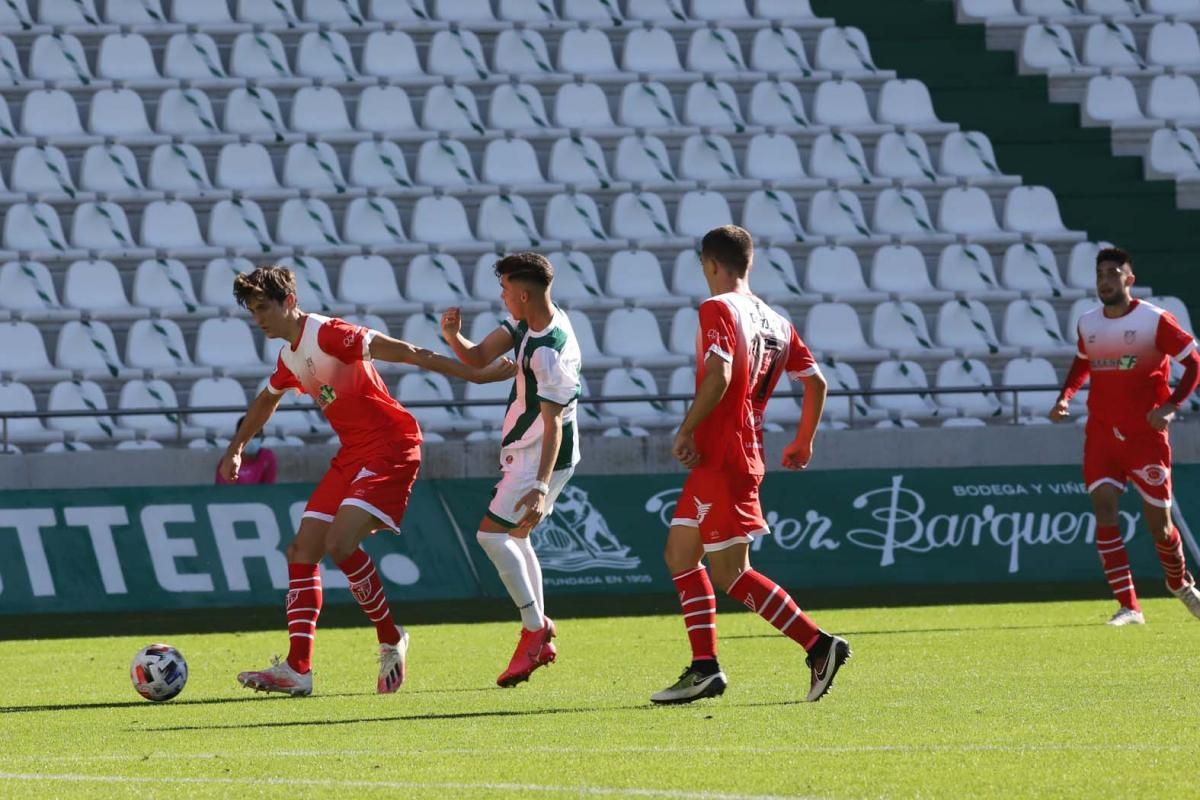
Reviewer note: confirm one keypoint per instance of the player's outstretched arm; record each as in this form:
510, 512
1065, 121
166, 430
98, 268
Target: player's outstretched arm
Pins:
492, 347
257, 415
798, 452
1076, 377
717, 374
385, 348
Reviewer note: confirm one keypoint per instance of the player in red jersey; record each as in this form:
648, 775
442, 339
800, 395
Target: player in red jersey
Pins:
1125, 345
743, 346
369, 480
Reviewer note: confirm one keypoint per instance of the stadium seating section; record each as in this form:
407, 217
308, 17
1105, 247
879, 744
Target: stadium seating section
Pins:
387, 150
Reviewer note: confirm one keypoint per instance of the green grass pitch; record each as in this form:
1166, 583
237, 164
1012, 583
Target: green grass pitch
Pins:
1019, 700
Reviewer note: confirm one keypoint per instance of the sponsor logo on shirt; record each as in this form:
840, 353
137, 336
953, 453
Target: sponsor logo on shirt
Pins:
1125, 362
326, 395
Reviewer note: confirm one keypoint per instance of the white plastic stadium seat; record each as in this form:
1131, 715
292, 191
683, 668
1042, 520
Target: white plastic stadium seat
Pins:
904, 375
1111, 99
517, 106
1031, 267
774, 156
313, 165
573, 217
636, 275
967, 155
216, 392
1033, 325
177, 168
42, 170
431, 387
777, 103
118, 113
252, 113
1033, 209
333, 11
133, 12
1173, 151
156, 344
779, 50
835, 270
200, 13
462, 10
320, 110
369, 280
379, 165
373, 221
216, 287
844, 50
50, 113
17, 398
59, 57
507, 218
633, 334
1173, 97
125, 57
646, 104
1174, 44
33, 226
456, 54
192, 56
185, 112
109, 168
967, 211
1048, 47
450, 108
1111, 45
440, 220
23, 353
640, 215
650, 51
966, 373
900, 269
719, 9
266, 12
842, 103
907, 103
226, 343
701, 211
585, 52
96, 286
391, 54
633, 381
173, 224
259, 56
237, 224
581, 105
245, 167
772, 214
578, 160
325, 56
82, 396
164, 284
834, 329
26, 286
714, 49
966, 326
899, 325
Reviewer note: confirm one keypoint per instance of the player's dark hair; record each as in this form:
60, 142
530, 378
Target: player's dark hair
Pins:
272, 282
1115, 255
731, 247
526, 267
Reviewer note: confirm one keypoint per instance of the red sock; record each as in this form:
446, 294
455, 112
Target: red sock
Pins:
768, 599
1170, 553
368, 591
1115, 560
699, 604
303, 607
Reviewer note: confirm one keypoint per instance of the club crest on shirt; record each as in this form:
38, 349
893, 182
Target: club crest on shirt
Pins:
326, 395
1153, 474
1130, 337
312, 368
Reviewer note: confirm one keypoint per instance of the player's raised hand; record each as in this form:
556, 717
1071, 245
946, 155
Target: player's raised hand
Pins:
499, 370
1060, 411
1161, 417
684, 450
451, 322
796, 454
231, 465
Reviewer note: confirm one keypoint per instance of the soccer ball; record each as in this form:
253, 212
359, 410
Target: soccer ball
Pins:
158, 672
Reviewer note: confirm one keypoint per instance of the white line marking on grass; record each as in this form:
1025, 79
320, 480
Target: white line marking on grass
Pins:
674, 794
447, 751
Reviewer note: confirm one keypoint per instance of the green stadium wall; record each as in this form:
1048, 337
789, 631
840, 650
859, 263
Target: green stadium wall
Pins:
127, 549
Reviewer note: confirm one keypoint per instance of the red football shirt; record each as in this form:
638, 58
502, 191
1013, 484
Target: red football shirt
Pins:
1127, 357
331, 363
761, 345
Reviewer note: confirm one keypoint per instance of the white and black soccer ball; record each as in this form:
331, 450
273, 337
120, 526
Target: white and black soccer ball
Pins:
159, 672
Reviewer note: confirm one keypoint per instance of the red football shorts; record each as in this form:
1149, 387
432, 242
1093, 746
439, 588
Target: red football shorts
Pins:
725, 506
380, 485
1143, 458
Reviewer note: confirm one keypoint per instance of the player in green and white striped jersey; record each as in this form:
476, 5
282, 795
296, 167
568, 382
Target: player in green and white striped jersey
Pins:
540, 443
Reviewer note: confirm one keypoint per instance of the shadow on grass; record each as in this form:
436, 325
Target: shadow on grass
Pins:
434, 717
907, 631
210, 701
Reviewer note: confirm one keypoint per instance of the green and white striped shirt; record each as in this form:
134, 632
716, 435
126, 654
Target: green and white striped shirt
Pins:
548, 365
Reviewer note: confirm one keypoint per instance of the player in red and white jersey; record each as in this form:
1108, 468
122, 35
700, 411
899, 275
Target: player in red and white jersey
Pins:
1126, 345
743, 346
369, 480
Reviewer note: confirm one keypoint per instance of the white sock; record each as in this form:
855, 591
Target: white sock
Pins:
510, 564
535, 569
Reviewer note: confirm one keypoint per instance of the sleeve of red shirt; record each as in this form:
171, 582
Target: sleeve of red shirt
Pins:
345, 341
718, 330
800, 362
282, 378
1171, 338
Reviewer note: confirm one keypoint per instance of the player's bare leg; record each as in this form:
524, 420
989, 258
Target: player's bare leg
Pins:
1114, 559
703, 677
826, 653
294, 676
350, 527
1169, 544
505, 547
